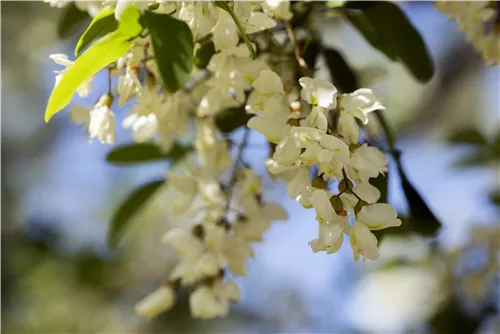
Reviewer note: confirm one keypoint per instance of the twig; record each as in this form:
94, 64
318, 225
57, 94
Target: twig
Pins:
232, 180
291, 36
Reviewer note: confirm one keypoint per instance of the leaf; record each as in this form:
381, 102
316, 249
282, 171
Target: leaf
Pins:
128, 208
100, 26
70, 20
341, 73
99, 55
467, 136
386, 28
495, 197
381, 182
482, 157
422, 219
223, 5
204, 54
173, 47
230, 119
142, 153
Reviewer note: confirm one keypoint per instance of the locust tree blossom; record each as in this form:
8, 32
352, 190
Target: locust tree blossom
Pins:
479, 22
318, 149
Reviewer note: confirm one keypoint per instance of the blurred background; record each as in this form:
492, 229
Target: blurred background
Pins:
58, 194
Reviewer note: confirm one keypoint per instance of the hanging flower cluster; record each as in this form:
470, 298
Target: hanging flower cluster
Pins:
479, 20
319, 144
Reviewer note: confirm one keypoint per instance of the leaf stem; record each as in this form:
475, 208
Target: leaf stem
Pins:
389, 132
223, 5
293, 39
232, 180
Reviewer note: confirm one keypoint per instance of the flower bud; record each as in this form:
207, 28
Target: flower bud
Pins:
157, 302
359, 206
337, 203
345, 186
318, 182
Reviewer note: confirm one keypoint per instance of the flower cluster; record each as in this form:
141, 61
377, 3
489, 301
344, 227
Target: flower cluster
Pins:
220, 196
336, 154
219, 245
479, 22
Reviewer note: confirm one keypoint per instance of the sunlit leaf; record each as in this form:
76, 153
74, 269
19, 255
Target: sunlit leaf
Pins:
343, 77
129, 208
101, 25
96, 57
386, 28
173, 47
144, 152
71, 19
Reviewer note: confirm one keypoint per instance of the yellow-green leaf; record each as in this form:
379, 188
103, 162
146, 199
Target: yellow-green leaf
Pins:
100, 26
98, 56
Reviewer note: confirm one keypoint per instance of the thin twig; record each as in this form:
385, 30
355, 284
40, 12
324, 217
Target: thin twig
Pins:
234, 173
291, 36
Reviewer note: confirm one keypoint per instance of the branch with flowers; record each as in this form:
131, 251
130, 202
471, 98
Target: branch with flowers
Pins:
199, 71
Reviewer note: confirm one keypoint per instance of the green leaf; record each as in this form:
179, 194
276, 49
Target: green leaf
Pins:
343, 77
230, 119
467, 136
422, 219
100, 26
381, 182
204, 54
495, 197
71, 19
128, 208
99, 55
173, 47
386, 28
224, 6
144, 152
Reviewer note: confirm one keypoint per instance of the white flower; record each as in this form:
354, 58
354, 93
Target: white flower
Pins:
79, 115
258, 21
57, 3
299, 187
368, 162
210, 302
280, 9
320, 200
360, 103
62, 59
185, 190
268, 83
318, 92
363, 242
348, 128
286, 152
330, 238
303, 135
238, 251
331, 225
102, 122
91, 7
274, 130
339, 149
159, 301
317, 119
128, 85
205, 304
225, 32
122, 5
371, 217
378, 216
